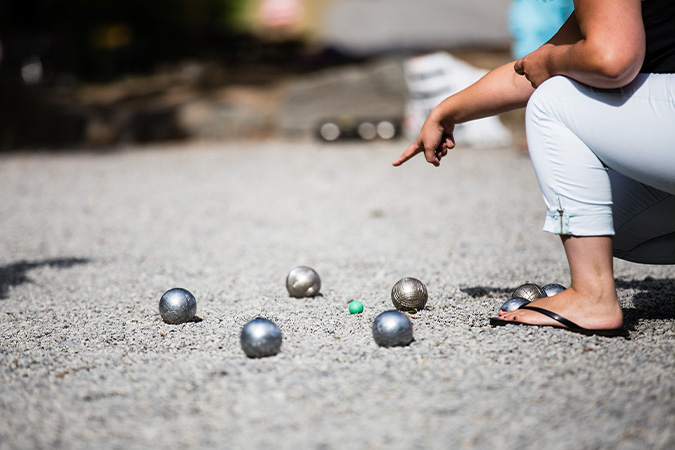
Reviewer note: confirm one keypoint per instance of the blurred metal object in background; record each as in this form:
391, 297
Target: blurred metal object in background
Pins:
349, 127
387, 130
32, 70
367, 131
329, 131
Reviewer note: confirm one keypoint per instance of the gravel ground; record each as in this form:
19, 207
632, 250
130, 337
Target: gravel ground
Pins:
89, 242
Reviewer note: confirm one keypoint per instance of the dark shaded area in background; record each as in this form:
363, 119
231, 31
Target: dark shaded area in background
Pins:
50, 47
98, 41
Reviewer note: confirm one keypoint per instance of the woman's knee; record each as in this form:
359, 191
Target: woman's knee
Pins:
545, 101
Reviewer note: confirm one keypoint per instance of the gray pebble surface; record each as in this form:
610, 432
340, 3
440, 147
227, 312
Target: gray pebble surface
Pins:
90, 241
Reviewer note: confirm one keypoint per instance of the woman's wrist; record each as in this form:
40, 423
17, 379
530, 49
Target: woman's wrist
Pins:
441, 114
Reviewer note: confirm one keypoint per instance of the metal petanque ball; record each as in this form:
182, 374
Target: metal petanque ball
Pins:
529, 291
553, 289
303, 281
177, 306
514, 303
260, 337
392, 329
408, 294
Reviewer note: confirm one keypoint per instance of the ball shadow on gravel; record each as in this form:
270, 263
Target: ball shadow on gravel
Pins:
654, 299
16, 273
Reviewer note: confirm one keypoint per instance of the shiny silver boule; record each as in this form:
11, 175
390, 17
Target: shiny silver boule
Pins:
392, 329
177, 305
303, 281
553, 289
513, 303
409, 293
529, 291
260, 337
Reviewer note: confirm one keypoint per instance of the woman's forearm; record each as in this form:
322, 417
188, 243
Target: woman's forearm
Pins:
499, 91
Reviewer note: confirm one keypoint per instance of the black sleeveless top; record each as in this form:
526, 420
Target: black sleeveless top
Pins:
659, 19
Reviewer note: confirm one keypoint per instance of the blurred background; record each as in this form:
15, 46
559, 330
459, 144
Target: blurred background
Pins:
77, 73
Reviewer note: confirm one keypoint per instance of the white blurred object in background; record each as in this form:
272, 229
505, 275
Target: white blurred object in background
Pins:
432, 78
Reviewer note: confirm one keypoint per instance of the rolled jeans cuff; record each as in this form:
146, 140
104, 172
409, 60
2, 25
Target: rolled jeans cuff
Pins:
583, 225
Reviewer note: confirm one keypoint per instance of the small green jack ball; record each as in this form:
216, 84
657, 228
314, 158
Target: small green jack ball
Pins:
356, 307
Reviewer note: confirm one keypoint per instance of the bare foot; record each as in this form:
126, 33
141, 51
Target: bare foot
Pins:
601, 312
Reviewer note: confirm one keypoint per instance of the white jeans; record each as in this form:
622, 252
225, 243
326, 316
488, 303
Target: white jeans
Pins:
605, 161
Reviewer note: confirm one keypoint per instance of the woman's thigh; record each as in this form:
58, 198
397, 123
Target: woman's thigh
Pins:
631, 130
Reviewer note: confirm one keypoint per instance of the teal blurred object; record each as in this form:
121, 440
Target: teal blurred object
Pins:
533, 22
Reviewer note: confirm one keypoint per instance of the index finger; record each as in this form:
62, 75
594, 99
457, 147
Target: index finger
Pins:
411, 151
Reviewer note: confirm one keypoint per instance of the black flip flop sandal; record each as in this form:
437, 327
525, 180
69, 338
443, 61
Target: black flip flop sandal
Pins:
568, 324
